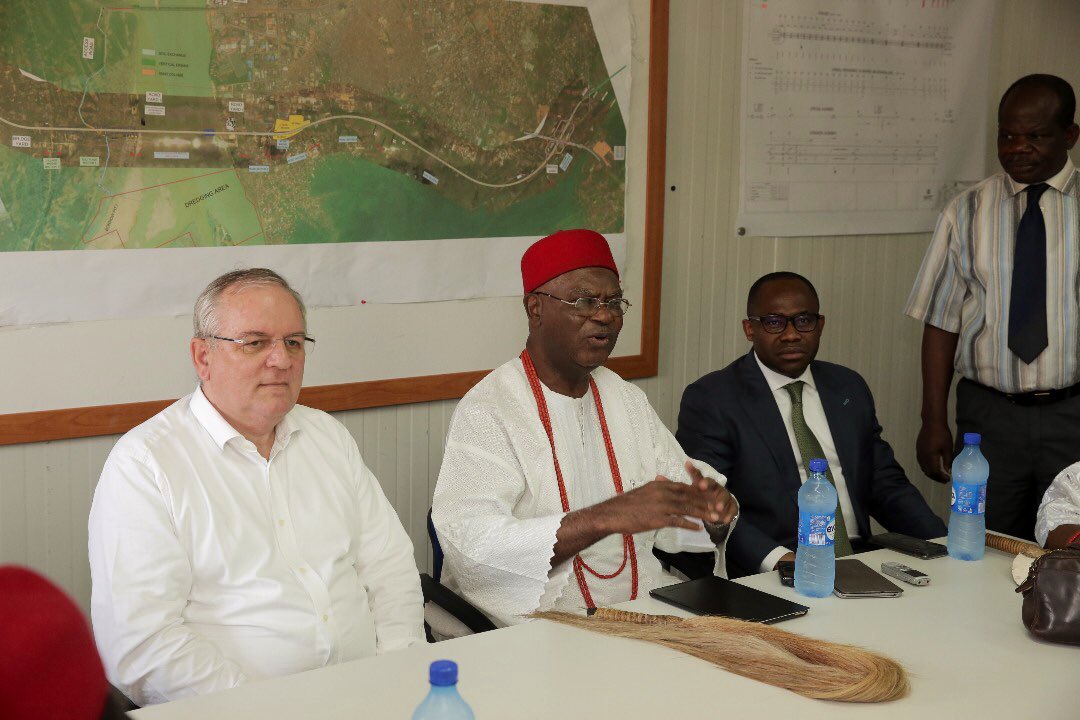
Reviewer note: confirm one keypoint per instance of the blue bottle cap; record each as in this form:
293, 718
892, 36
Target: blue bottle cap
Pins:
443, 672
972, 438
819, 465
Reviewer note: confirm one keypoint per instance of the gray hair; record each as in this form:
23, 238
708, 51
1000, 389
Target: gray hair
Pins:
205, 320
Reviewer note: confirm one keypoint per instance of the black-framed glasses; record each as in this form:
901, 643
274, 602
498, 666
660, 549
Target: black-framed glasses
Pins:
776, 324
296, 344
588, 306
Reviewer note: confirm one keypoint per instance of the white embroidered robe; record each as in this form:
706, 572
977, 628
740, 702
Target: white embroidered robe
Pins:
497, 510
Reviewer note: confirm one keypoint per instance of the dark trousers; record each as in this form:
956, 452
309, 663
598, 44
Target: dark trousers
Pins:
1025, 447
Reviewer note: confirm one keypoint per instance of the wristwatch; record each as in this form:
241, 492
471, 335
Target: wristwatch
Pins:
718, 532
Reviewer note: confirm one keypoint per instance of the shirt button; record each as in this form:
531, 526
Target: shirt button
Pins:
326, 618
281, 522
302, 569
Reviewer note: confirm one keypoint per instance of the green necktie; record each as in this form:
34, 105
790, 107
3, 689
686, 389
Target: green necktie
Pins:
810, 448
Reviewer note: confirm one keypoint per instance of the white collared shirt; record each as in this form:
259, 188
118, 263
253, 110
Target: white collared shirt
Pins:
814, 414
213, 566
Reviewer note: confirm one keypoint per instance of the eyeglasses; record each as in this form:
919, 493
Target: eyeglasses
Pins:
776, 324
587, 306
298, 344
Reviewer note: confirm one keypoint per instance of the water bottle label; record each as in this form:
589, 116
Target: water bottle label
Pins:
968, 499
818, 530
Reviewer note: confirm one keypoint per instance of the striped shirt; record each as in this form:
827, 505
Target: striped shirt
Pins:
964, 284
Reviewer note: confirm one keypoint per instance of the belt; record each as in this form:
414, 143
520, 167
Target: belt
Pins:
1035, 397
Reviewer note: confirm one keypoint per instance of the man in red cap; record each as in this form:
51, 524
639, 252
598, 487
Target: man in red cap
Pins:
558, 478
49, 667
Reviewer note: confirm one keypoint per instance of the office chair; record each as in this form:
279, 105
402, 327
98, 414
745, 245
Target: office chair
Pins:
117, 705
444, 610
692, 565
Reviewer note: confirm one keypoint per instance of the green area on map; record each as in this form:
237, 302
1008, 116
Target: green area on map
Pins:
187, 123
362, 201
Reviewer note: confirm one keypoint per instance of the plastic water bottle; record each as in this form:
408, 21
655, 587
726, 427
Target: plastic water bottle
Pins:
443, 701
815, 560
967, 521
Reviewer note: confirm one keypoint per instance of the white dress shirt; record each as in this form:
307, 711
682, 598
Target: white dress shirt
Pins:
497, 508
213, 566
814, 414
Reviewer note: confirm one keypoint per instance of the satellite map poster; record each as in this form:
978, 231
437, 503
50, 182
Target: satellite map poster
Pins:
382, 151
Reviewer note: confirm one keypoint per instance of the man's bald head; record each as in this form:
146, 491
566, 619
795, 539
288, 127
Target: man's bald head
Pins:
1052, 85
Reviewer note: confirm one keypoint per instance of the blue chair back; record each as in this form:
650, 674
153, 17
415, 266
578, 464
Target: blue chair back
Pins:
436, 549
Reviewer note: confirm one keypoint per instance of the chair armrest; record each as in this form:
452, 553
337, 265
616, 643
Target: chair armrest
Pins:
454, 604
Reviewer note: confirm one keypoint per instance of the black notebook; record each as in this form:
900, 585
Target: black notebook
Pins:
717, 596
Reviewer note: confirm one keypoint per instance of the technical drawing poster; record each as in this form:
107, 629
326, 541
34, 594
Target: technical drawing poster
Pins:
860, 116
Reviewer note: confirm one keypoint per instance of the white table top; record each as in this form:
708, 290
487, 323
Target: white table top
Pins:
960, 638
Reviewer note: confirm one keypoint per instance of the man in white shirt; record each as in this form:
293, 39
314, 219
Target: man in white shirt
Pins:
763, 418
237, 535
554, 482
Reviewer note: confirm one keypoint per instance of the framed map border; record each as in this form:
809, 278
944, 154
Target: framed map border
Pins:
40, 426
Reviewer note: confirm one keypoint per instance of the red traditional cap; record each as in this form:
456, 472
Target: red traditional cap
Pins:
50, 667
562, 252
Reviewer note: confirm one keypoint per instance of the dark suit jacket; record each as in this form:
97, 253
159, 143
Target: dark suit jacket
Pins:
730, 419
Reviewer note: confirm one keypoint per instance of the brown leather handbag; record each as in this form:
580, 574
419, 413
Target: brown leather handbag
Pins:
1051, 591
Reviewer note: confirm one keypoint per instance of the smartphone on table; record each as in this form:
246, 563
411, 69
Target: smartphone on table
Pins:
908, 545
786, 570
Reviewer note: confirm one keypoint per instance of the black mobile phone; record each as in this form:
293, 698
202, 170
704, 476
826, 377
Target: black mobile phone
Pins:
910, 546
786, 570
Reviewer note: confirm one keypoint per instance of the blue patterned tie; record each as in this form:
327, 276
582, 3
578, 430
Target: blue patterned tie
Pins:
1027, 301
